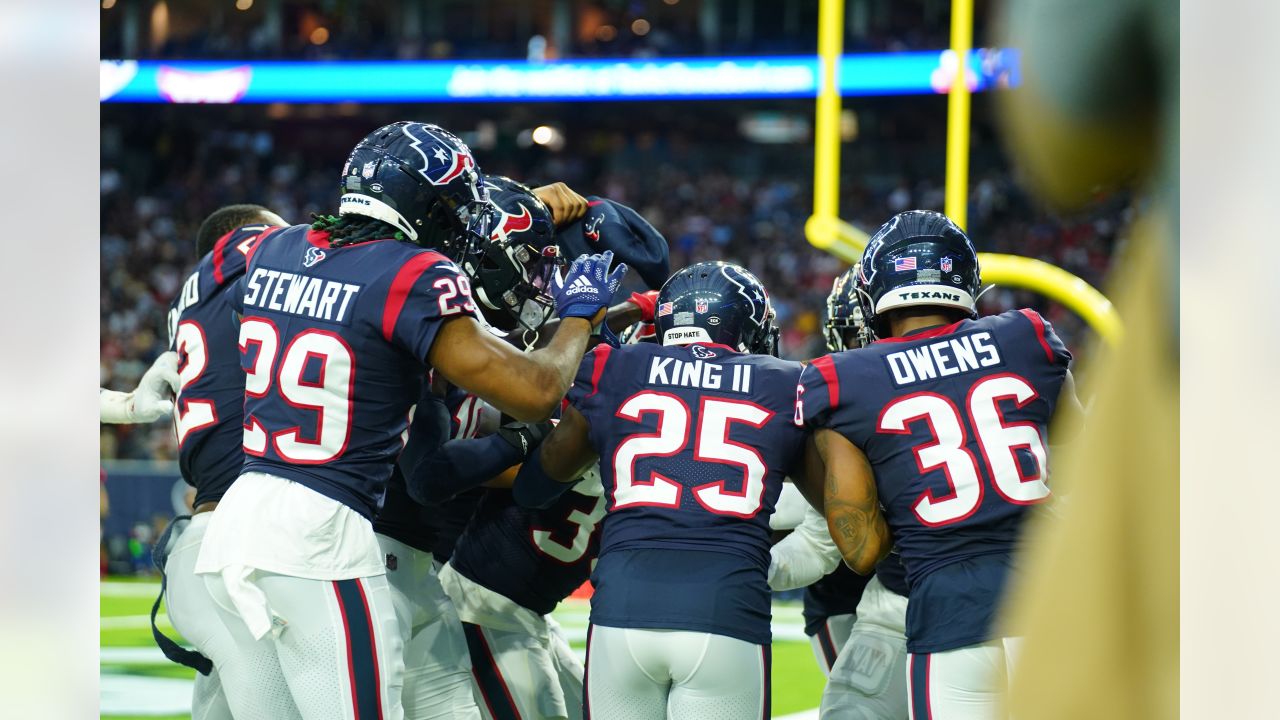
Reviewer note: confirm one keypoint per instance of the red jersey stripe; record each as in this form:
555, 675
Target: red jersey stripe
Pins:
402, 285
827, 367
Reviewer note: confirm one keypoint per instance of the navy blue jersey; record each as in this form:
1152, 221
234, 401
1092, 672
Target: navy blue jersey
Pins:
433, 528
694, 444
535, 558
837, 593
401, 517
334, 342
452, 517
953, 421
204, 330
893, 574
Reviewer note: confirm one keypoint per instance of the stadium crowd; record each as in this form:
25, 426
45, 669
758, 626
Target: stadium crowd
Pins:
501, 29
750, 210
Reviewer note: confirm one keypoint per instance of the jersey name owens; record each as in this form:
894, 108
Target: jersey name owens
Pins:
947, 357
293, 294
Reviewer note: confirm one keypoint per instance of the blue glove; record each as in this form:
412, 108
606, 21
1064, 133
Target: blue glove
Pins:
588, 286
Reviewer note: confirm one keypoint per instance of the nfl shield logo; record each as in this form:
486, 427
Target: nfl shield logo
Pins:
946, 264
700, 306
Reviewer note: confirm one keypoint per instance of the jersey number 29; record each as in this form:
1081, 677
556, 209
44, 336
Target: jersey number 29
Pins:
330, 395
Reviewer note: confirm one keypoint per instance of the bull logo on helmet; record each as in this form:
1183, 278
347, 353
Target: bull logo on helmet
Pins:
512, 224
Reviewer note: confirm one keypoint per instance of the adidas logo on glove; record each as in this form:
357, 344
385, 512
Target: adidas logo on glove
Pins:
580, 285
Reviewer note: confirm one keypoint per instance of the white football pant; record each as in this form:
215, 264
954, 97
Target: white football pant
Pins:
518, 675
637, 674
437, 667
868, 680
831, 636
962, 684
250, 667
336, 642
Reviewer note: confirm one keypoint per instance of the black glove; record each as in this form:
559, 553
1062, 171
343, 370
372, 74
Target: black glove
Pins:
525, 436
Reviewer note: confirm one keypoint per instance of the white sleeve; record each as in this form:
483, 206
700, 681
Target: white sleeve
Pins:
113, 406
148, 402
788, 512
805, 556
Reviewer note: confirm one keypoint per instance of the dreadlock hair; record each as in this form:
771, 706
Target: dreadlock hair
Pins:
352, 229
224, 220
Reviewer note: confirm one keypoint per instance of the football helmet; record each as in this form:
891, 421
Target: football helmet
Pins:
422, 180
917, 258
717, 302
511, 272
844, 313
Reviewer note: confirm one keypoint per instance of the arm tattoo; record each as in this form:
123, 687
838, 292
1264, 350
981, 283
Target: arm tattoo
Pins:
854, 522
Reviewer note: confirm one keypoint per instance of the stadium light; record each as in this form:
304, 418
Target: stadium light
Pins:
693, 78
244, 4
543, 134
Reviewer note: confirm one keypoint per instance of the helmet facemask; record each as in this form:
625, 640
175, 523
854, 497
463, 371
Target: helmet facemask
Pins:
512, 281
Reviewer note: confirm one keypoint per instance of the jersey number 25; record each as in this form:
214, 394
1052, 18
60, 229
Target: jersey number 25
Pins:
711, 443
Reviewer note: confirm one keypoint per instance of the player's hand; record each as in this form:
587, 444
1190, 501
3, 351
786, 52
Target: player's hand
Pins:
647, 302
566, 205
151, 400
588, 287
525, 436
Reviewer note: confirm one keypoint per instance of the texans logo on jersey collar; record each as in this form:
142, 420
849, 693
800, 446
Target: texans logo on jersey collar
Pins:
313, 256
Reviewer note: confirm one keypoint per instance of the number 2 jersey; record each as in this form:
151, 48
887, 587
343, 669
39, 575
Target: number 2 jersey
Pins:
952, 420
334, 342
694, 443
204, 330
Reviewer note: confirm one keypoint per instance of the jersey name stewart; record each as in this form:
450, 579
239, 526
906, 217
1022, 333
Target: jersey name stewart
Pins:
204, 329
694, 443
334, 343
953, 421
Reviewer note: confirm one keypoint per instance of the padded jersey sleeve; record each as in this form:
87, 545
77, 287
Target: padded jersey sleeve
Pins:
230, 258
585, 394
427, 290
818, 394
1055, 351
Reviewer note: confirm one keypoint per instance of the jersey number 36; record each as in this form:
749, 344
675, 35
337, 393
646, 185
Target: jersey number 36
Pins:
998, 441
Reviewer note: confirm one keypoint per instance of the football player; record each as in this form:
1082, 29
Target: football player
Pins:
695, 439
512, 565
438, 668
341, 321
856, 623
204, 330
937, 433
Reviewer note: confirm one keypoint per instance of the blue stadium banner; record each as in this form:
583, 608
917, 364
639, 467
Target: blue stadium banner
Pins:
905, 73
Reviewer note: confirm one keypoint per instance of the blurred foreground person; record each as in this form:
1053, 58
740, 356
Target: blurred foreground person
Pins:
1098, 108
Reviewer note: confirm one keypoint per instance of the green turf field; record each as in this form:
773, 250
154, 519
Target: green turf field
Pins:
134, 674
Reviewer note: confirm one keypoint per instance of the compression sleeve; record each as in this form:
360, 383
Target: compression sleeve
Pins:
460, 465
805, 556
534, 488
